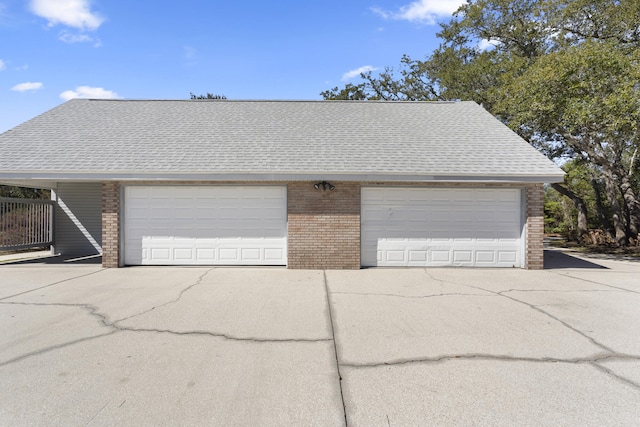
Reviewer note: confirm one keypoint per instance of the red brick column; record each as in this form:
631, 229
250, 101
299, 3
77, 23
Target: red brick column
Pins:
110, 224
324, 226
535, 228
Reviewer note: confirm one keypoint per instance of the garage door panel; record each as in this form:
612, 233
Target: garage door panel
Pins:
419, 256
508, 256
273, 254
184, 225
462, 256
183, 254
160, 254
466, 227
443, 257
205, 254
485, 257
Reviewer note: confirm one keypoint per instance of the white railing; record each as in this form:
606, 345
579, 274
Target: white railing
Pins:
25, 223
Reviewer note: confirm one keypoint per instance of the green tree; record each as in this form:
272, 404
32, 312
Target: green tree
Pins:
24, 192
562, 73
207, 96
586, 98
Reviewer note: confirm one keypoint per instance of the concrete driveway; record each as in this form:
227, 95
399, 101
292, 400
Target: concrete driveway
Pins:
81, 345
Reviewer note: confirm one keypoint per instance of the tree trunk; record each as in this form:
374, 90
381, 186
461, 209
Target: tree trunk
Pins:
583, 230
631, 206
606, 225
611, 190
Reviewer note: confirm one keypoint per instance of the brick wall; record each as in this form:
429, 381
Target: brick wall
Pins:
324, 226
110, 224
535, 228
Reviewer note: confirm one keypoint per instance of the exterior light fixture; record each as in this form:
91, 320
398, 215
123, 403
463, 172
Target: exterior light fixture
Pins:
324, 185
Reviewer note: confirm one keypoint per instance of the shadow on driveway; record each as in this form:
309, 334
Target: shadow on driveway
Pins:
556, 259
58, 259
553, 259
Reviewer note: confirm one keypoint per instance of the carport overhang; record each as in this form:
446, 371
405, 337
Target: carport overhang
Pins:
30, 183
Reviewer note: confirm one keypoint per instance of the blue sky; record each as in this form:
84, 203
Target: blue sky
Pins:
54, 50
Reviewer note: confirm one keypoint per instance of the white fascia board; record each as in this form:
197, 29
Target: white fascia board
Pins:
126, 176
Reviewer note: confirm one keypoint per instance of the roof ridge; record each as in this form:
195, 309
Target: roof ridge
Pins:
342, 101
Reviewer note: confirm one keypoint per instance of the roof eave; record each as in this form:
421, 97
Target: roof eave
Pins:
25, 177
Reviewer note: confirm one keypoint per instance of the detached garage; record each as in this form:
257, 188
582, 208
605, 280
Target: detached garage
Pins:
302, 184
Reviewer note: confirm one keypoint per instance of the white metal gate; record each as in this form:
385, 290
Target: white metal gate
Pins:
25, 223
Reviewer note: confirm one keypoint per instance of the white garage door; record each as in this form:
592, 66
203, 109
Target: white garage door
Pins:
210, 225
441, 227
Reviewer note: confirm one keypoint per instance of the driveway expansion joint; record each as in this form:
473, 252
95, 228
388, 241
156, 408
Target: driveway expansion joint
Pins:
335, 346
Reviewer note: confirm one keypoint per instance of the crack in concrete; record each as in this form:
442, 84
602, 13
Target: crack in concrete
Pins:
413, 296
493, 357
96, 414
557, 291
612, 353
182, 292
92, 309
222, 335
608, 371
596, 283
105, 322
591, 361
52, 284
335, 346
539, 310
562, 322
54, 347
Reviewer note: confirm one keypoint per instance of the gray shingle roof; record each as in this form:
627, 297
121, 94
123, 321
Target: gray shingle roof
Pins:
366, 140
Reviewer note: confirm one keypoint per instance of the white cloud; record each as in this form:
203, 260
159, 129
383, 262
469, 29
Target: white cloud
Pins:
2, 65
67, 37
423, 11
485, 44
355, 73
27, 86
89, 92
72, 13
